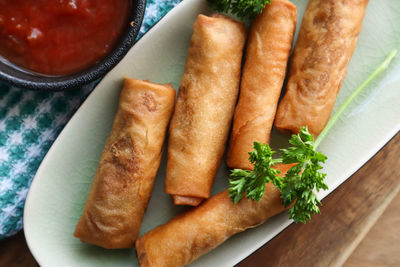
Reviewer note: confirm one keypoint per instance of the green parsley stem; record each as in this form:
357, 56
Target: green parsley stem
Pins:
381, 68
276, 161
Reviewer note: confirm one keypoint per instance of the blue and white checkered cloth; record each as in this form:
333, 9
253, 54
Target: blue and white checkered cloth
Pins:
29, 123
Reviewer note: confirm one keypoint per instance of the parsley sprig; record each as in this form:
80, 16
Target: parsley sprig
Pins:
303, 178
252, 183
245, 9
298, 186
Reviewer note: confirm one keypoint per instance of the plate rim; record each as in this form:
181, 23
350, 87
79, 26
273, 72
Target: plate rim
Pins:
239, 257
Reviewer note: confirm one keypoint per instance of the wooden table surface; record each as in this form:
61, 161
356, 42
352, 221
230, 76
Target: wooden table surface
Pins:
346, 216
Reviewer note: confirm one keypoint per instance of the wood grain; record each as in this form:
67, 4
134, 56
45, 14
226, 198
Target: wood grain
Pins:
347, 215
14, 252
381, 246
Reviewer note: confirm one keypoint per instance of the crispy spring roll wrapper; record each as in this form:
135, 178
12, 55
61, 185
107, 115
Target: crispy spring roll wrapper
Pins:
268, 48
206, 100
128, 166
189, 235
326, 42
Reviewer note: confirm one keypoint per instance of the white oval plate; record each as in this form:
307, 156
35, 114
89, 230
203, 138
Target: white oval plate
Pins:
60, 188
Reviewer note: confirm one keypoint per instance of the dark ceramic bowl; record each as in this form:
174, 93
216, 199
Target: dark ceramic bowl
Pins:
24, 79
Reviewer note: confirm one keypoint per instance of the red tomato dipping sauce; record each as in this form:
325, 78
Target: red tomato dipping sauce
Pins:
58, 37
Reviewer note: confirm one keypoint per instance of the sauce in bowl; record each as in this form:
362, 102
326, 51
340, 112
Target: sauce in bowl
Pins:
58, 37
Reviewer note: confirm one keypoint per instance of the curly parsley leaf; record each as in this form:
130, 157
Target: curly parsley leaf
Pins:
301, 180
252, 183
298, 184
245, 9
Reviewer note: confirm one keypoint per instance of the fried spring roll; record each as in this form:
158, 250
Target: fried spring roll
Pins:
204, 109
327, 39
194, 233
128, 166
268, 48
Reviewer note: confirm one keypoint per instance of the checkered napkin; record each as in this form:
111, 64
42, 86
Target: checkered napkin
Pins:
29, 123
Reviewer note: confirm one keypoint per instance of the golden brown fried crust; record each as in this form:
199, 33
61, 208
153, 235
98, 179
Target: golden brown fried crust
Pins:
327, 39
190, 201
128, 165
204, 109
194, 233
268, 48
